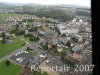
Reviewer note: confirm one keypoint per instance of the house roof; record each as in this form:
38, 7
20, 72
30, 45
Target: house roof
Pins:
56, 41
77, 56
77, 48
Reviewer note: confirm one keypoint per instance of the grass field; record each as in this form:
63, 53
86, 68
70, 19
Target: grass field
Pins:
8, 48
26, 39
32, 52
66, 48
7, 15
12, 69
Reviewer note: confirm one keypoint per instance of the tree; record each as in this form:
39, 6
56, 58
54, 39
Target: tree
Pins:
37, 38
40, 72
30, 20
70, 61
90, 73
34, 39
62, 55
31, 39
13, 31
16, 27
20, 32
28, 48
28, 26
74, 39
23, 44
3, 41
35, 28
68, 44
45, 47
3, 35
7, 62
64, 35
31, 30
26, 35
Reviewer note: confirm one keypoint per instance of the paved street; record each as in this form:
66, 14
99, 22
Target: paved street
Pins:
36, 59
14, 52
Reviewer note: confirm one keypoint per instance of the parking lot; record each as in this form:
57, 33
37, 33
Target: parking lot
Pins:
22, 57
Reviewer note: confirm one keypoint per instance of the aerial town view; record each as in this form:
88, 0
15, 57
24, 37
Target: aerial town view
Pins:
45, 37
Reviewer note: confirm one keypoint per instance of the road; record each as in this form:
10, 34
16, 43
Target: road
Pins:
14, 52
56, 61
87, 61
53, 60
16, 63
48, 55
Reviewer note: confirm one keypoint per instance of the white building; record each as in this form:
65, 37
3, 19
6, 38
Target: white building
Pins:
26, 31
88, 29
64, 29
